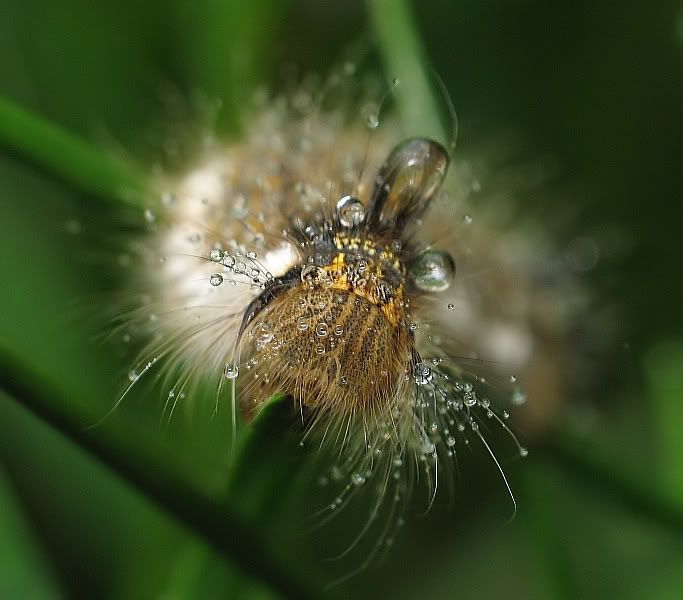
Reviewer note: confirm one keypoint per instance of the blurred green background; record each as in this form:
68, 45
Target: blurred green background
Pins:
136, 509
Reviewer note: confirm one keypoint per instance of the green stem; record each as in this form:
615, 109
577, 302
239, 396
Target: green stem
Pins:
405, 59
132, 456
69, 158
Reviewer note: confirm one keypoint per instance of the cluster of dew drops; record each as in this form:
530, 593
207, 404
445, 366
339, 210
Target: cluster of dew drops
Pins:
242, 267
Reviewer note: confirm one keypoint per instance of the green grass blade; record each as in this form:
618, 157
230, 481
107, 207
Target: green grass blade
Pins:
69, 158
228, 49
132, 456
664, 369
405, 59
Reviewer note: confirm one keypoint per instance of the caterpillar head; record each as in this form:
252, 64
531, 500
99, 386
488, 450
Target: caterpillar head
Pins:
335, 329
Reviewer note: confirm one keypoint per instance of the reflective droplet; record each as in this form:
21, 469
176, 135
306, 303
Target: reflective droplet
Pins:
433, 271
467, 219
321, 329
450, 441
372, 120
231, 371
150, 217
216, 279
320, 349
523, 452
302, 324
216, 255
228, 261
422, 373
132, 376
350, 211
357, 479
451, 306
313, 275
407, 182
264, 333
518, 397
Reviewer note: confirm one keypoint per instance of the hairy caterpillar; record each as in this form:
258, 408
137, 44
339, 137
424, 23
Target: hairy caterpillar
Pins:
324, 261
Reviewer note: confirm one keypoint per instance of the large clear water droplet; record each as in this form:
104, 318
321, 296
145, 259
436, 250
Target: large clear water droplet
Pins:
216, 279
407, 182
350, 211
433, 271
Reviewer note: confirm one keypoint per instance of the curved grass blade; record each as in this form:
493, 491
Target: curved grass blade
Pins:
69, 158
405, 59
132, 456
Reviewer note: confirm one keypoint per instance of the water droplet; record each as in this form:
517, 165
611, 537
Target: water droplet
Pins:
422, 373
320, 349
132, 376
467, 219
313, 276
450, 441
518, 397
231, 371
251, 255
264, 333
372, 120
350, 211
302, 324
433, 271
228, 261
451, 306
513, 379
216, 279
321, 329
357, 479
216, 255
362, 265
150, 217
523, 452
